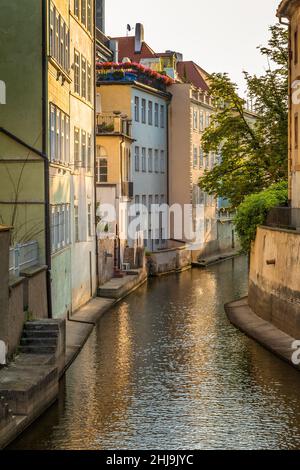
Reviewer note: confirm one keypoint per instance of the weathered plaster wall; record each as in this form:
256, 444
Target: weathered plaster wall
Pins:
105, 260
16, 315
165, 261
4, 256
274, 283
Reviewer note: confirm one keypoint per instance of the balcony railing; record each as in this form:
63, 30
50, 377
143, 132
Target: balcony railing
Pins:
113, 124
23, 256
284, 217
127, 189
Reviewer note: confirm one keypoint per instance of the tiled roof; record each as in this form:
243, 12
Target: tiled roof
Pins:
192, 73
127, 46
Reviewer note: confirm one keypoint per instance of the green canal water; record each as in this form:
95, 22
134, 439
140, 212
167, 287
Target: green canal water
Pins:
164, 369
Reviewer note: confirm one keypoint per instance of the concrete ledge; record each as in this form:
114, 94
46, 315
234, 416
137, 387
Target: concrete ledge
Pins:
218, 258
118, 288
240, 315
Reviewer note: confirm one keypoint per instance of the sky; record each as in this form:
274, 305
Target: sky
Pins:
219, 35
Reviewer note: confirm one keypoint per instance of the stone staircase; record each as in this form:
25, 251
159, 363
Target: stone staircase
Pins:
39, 337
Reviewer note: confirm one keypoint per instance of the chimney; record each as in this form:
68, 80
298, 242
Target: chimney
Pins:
139, 38
100, 15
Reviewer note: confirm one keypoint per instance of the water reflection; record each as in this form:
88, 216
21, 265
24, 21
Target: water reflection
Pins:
166, 370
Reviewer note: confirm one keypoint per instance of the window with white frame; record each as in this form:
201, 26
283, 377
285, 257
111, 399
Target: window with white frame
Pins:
162, 116
90, 219
60, 226
195, 157
83, 77
200, 157
83, 149
89, 82
162, 161
76, 224
201, 119
195, 118
76, 72
89, 152
59, 38
150, 113
137, 158
143, 111
76, 147
143, 159
83, 12
76, 8
156, 115
150, 160
59, 135
101, 165
89, 15
136, 109
156, 162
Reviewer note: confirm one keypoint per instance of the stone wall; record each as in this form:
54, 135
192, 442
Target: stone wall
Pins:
106, 248
274, 281
35, 292
170, 260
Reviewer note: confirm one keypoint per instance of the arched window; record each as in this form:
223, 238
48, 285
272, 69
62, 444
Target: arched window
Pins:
101, 165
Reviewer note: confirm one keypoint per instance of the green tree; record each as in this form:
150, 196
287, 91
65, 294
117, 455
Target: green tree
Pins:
253, 148
254, 209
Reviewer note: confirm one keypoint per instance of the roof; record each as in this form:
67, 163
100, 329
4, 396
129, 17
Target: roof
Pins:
190, 72
127, 49
285, 6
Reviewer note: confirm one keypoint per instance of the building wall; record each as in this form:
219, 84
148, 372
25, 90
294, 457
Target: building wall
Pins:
22, 116
294, 149
274, 283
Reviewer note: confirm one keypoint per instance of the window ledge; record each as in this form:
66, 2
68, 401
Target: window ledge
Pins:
60, 71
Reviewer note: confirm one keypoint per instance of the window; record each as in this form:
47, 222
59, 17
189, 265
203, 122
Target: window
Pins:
59, 38
156, 163
89, 82
162, 116
296, 125
76, 8
150, 202
52, 29
195, 160
143, 111
195, 118
83, 77
52, 132
137, 159
103, 171
150, 113
207, 120
101, 165
201, 124
89, 15
162, 161
83, 149
89, 153
143, 159
83, 12
76, 223
136, 109
296, 47
200, 157
150, 160
60, 226
156, 117
76, 72
59, 135
76, 148
89, 216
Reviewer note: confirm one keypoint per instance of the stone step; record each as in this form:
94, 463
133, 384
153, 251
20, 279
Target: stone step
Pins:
37, 349
38, 341
41, 326
40, 333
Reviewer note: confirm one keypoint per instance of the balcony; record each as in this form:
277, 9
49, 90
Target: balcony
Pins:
113, 124
127, 189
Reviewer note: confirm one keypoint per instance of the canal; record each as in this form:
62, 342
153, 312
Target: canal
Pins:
164, 369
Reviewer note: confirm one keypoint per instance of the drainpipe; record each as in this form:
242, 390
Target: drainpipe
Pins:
45, 152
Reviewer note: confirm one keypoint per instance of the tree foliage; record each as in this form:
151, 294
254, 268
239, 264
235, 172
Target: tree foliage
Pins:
254, 209
253, 148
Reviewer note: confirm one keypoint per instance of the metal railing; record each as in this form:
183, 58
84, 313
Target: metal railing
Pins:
23, 256
284, 217
113, 124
